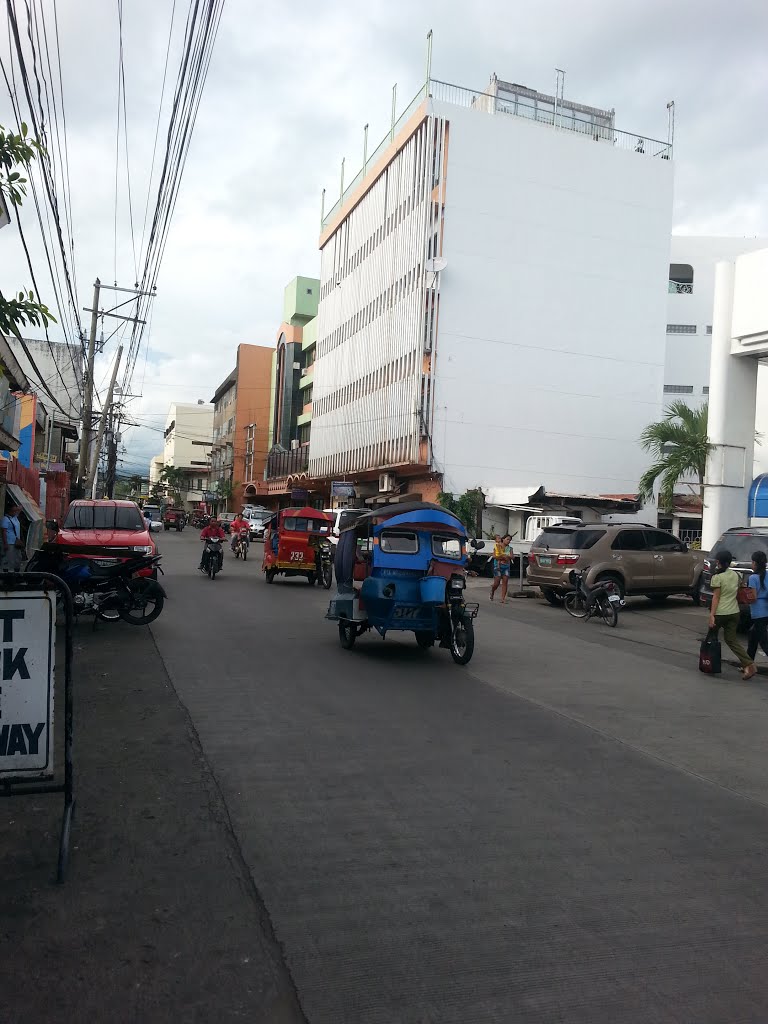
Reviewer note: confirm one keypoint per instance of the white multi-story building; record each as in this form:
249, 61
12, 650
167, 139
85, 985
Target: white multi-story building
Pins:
492, 305
689, 310
188, 439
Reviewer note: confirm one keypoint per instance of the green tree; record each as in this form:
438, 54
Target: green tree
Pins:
18, 151
157, 492
468, 507
174, 480
679, 444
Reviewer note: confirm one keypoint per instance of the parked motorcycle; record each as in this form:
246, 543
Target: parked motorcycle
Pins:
241, 544
603, 599
213, 557
325, 565
110, 592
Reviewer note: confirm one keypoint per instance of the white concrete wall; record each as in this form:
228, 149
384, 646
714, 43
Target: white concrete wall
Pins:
194, 423
687, 355
551, 337
60, 367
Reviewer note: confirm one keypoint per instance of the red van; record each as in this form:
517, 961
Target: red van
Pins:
110, 525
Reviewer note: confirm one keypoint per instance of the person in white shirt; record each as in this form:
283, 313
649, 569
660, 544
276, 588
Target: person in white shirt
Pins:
12, 544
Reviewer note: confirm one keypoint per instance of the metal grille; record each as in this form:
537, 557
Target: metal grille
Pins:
678, 389
681, 328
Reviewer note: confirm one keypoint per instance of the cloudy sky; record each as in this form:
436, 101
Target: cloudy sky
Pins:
289, 90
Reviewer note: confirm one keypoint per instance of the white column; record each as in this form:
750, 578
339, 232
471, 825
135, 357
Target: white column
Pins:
732, 397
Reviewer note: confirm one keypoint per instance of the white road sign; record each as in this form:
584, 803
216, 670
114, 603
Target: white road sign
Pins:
27, 630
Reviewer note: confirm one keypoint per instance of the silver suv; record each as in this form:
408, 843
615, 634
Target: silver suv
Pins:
640, 559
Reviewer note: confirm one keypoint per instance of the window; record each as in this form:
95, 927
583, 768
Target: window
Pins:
568, 540
447, 547
657, 540
199, 486
705, 391
678, 389
680, 278
103, 517
709, 328
393, 543
681, 328
630, 540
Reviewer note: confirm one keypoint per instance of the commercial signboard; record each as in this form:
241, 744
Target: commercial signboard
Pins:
299, 496
341, 489
27, 629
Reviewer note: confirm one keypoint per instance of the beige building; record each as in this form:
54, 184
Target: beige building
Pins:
188, 437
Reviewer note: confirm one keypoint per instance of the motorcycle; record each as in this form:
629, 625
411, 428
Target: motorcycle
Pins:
110, 592
603, 599
213, 557
240, 546
325, 565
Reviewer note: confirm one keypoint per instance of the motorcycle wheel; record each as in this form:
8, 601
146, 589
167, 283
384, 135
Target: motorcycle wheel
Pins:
311, 577
608, 612
463, 642
575, 605
245, 553
347, 634
147, 602
326, 576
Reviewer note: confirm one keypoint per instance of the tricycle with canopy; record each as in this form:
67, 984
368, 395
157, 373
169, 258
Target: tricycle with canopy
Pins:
408, 561
293, 545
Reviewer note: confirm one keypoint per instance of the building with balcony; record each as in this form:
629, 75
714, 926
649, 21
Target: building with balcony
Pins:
475, 277
241, 419
293, 368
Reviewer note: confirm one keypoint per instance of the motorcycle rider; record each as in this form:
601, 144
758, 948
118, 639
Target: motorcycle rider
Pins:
212, 531
238, 523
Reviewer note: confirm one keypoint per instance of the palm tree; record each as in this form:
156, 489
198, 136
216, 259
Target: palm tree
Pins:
680, 445
174, 480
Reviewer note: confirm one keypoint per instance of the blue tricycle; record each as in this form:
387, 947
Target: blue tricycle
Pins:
403, 567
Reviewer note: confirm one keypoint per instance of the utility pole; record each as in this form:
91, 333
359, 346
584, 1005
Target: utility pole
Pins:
109, 482
94, 474
85, 429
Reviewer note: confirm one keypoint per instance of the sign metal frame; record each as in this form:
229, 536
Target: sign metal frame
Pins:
27, 582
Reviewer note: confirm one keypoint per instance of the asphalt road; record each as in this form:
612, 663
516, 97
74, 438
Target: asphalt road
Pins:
572, 828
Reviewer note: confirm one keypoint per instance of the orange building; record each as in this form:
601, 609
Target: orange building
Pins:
241, 422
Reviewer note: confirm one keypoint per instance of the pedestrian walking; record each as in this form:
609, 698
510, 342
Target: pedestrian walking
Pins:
10, 536
758, 634
725, 613
502, 563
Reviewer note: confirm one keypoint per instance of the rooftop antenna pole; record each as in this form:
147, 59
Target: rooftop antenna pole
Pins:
394, 109
671, 125
322, 209
341, 193
429, 61
365, 149
559, 94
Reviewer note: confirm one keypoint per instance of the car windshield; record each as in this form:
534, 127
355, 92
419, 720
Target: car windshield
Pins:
103, 517
741, 545
568, 540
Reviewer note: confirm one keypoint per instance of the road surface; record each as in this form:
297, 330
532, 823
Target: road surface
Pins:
572, 828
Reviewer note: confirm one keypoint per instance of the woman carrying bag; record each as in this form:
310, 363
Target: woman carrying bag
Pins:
725, 612
758, 634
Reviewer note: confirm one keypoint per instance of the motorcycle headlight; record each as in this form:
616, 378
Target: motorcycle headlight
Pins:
457, 583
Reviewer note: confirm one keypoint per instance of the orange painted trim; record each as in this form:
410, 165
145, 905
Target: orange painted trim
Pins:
374, 173
292, 333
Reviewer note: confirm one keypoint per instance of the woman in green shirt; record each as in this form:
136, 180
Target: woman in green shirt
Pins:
725, 610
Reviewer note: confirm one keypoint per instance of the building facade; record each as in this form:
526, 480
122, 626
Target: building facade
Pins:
293, 368
241, 423
188, 438
471, 286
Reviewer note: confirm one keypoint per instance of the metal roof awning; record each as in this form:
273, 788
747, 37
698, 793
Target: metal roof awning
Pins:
28, 504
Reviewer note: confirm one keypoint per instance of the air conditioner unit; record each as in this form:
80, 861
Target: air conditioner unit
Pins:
386, 482
294, 444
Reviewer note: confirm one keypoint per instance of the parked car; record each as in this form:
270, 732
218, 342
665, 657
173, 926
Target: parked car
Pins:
638, 558
741, 541
106, 529
342, 518
226, 519
257, 521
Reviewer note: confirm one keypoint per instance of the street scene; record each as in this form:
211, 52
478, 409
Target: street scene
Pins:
384, 513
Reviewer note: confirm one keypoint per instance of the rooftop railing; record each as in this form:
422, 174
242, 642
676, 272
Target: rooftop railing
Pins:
561, 118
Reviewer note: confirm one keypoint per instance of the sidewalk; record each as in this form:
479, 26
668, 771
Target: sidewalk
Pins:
158, 919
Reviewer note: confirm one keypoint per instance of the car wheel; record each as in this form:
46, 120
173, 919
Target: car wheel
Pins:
552, 596
617, 581
696, 595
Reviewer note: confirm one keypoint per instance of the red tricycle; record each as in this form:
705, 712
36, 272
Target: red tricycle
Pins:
293, 543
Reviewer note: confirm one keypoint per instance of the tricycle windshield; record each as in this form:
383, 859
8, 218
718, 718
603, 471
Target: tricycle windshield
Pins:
447, 547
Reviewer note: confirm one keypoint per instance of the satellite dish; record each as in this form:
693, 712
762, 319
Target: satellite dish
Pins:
436, 265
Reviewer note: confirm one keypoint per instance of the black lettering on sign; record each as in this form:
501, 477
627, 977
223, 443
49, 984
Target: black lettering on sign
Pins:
7, 618
20, 739
13, 663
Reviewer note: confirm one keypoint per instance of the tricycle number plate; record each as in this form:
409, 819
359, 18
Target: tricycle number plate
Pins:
297, 556
407, 612
614, 598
